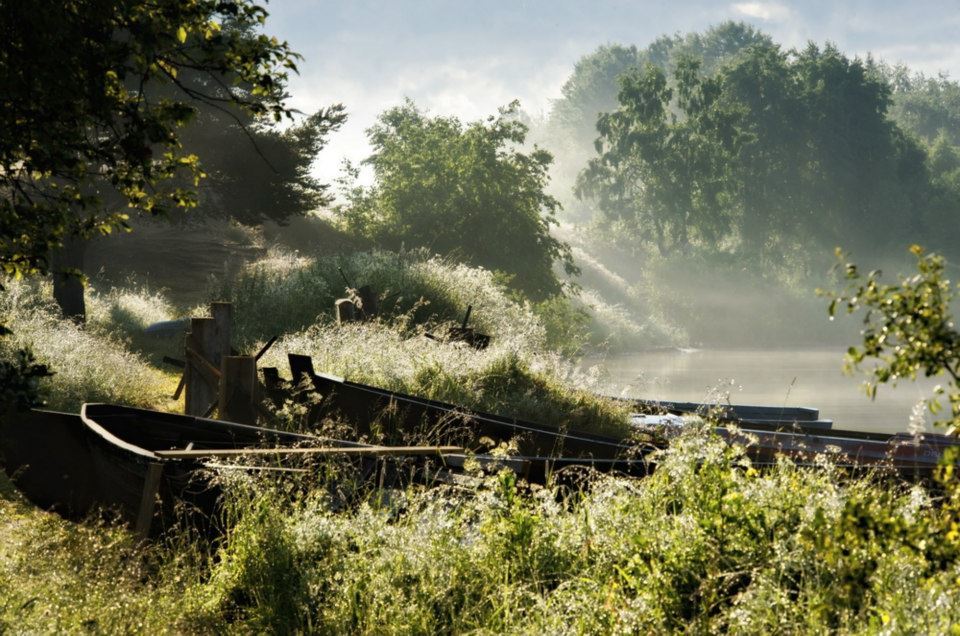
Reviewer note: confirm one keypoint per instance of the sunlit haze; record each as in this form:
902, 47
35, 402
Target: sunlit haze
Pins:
468, 58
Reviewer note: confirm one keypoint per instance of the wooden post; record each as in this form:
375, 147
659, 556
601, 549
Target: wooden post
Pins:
238, 389
223, 315
148, 500
200, 391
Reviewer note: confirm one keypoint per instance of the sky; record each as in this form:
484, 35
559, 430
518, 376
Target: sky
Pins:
467, 58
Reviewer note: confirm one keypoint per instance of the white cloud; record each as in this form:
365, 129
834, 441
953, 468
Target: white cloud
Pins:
767, 11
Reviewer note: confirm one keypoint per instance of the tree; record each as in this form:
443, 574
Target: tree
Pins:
466, 191
95, 95
256, 173
593, 86
664, 174
926, 106
592, 89
775, 152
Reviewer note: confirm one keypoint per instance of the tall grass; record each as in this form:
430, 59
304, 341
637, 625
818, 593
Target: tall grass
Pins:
511, 377
706, 545
90, 365
286, 293
58, 577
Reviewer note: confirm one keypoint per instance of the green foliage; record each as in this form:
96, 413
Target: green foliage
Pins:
62, 577
463, 191
927, 106
566, 324
507, 386
20, 378
663, 174
907, 327
89, 115
260, 582
89, 365
706, 544
285, 293
95, 95
770, 151
593, 86
256, 173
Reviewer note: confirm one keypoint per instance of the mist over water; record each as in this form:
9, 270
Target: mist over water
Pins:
810, 377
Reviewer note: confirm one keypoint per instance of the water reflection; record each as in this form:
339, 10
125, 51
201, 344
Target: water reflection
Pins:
802, 377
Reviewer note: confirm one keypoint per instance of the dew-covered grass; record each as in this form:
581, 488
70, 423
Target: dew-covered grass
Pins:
92, 364
287, 292
705, 545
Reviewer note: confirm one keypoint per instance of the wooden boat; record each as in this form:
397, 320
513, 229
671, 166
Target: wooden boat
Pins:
765, 432
912, 457
759, 417
399, 416
107, 457
150, 469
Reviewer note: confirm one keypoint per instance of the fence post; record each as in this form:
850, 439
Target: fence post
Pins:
222, 313
201, 390
238, 389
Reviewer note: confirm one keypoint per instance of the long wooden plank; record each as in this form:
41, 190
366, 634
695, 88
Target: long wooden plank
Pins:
212, 372
377, 451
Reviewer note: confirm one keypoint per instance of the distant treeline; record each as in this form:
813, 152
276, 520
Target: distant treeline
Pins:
725, 141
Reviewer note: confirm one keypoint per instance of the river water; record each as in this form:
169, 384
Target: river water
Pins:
792, 377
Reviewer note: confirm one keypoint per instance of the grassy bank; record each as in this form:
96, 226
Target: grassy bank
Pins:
704, 545
707, 544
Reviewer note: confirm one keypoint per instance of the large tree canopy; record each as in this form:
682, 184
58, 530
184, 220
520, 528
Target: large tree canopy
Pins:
661, 175
592, 89
94, 94
774, 151
466, 191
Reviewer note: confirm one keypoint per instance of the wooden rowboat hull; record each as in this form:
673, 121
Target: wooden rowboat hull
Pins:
104, 460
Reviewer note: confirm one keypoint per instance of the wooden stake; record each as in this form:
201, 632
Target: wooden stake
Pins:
148, 500
223, 315
201, 389
238, 389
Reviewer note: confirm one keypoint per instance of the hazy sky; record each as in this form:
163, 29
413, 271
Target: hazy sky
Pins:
468, 58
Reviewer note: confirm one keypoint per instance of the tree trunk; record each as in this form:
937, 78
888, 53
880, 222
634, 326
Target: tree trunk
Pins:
67, 266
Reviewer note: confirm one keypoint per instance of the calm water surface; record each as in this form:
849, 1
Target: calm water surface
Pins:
803, 377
